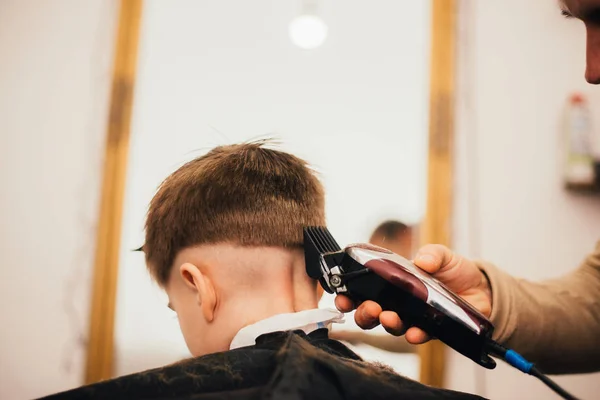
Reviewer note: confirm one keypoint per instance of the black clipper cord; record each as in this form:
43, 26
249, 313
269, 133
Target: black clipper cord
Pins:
514, 359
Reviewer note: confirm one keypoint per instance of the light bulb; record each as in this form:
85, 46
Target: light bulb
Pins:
308, 31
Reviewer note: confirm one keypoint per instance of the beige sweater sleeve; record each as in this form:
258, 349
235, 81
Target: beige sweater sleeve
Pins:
556, 323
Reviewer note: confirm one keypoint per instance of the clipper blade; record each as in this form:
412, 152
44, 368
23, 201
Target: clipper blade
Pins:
318, 242
322, 239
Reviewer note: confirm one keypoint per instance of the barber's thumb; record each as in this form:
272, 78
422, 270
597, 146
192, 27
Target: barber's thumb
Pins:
427, 262
431, 257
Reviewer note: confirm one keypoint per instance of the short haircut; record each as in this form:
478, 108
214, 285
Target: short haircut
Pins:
244, 194
391, 229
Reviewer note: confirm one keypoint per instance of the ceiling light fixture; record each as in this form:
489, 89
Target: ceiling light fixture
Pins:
307, 30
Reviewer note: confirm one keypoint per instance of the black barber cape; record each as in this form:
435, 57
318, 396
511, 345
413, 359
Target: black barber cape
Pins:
282, 365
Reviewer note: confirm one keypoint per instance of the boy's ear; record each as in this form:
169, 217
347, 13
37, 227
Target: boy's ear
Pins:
203, 286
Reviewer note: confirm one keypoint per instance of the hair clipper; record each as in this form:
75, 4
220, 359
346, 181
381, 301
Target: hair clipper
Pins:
366, 272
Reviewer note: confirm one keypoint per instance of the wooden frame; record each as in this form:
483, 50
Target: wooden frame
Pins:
99, 361
437, 225
435, 229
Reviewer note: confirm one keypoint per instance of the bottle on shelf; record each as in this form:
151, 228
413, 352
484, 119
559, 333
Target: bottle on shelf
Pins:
579, 171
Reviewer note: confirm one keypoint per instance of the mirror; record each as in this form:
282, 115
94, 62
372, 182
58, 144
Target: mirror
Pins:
356, 108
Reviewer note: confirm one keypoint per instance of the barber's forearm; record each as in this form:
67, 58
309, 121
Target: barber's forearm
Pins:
552, 323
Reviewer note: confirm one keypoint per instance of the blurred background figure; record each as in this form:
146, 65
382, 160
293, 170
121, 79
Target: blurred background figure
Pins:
395, 236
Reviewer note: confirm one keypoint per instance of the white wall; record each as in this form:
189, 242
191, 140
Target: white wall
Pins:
519, 61
54, 82
212, 73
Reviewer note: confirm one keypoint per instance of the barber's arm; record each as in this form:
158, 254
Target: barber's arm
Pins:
555, 324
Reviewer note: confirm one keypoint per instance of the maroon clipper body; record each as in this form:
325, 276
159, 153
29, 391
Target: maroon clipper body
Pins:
366, 272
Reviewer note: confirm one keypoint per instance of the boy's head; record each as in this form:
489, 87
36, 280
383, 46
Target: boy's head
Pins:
224, 239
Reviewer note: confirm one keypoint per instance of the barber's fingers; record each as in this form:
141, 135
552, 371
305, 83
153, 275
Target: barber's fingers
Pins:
392, 323
344, 304
367, 315
416, 336
433, 257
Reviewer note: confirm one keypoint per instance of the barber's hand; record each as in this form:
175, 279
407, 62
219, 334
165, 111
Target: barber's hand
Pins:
459, 274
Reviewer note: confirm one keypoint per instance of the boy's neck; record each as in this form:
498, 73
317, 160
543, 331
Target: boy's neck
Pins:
248, 284
248, 310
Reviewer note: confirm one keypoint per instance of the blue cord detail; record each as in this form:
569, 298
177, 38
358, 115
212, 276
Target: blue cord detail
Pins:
517, 361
